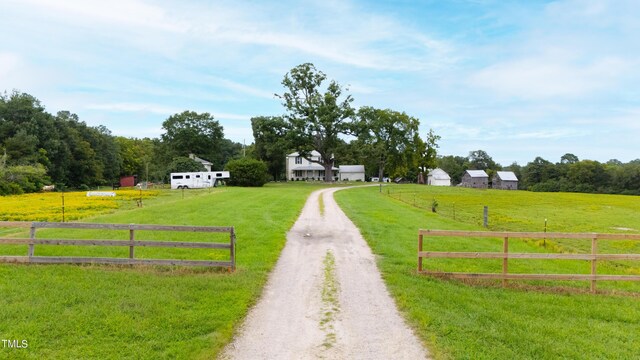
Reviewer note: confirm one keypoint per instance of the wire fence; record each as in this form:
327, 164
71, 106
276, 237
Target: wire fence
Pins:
472, 214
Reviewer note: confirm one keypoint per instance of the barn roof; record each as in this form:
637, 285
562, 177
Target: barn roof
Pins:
477, 173
507, 176
351, 168
439, 174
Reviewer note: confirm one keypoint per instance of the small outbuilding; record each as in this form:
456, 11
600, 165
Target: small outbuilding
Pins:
505, 180
351, 172
438, 177
128, 181
477, 179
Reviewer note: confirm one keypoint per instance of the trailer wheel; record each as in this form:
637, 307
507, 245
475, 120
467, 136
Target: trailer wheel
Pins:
179, 187
185, 187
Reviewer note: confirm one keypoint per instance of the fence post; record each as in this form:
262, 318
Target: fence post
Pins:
486, 216
594, 252
232, 242
420, 240
505, 261
32, 236
131, 241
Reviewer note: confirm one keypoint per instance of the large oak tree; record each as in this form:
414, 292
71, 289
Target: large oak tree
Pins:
317, 113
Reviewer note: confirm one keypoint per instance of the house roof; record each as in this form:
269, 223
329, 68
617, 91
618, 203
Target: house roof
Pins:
439, 174
351, 168
203, 161
311, 167
295, 154
507, 176
477, 173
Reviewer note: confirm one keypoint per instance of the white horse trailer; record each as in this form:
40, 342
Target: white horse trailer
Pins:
197, 180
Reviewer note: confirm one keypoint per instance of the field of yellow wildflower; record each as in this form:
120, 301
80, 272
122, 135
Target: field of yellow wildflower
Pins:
77, 205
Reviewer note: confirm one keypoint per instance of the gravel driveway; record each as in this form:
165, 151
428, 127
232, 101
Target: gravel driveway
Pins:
325, 298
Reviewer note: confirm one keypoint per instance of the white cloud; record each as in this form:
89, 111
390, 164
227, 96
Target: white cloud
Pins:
130, 13
160, 110
134, 107
550, 76
8, 64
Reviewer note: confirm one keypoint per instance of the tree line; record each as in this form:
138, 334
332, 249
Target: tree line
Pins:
570, 174
38, 148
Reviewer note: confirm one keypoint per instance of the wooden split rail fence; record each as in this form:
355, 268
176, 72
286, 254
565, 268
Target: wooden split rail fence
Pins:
132, 243
505, 255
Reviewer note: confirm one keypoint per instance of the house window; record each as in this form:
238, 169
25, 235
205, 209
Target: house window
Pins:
297, 173
298, 160
321, 173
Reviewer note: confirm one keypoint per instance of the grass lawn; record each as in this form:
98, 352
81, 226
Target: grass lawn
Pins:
69, 311
481, 320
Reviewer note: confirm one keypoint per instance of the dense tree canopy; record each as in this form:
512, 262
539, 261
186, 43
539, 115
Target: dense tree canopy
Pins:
386, 135
316, 114
269, 133
72, 153
38, 148
192, 133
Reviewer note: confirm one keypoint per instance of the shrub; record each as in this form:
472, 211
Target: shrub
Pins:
247, 172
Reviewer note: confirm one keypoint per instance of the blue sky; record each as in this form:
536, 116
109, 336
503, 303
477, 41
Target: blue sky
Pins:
518, 79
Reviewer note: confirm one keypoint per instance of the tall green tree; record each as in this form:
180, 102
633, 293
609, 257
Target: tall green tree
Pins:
316, 114
387, 135
269, 133
427, 151
190, 132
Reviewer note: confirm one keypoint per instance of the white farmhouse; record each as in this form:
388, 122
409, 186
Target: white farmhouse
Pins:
299, 168
205, 163
351, 172
438, 177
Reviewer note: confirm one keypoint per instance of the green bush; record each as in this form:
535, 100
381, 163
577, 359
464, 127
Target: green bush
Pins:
21, 179
247, 172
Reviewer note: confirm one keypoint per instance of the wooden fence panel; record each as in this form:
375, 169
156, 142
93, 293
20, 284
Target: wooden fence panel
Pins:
593, 257
132, 243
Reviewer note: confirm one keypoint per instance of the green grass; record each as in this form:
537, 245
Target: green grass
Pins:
481, 320
330, 304
105, 312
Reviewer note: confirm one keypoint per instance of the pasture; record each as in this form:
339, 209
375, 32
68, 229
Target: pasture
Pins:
479, 319
146, 312
149, 312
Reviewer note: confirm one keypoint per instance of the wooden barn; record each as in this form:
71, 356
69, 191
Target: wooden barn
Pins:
438, 177
505, 180
477, 179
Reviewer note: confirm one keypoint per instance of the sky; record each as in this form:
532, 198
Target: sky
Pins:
517, 79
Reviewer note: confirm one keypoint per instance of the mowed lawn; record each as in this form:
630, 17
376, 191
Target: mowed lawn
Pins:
481, 320
144, 312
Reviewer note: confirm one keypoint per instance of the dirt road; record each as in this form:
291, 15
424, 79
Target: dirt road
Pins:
325, 298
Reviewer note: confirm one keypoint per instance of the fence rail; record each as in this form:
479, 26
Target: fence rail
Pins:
505, 255
132, 243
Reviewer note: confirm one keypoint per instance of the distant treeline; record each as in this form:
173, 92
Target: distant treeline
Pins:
38, 148
570, 174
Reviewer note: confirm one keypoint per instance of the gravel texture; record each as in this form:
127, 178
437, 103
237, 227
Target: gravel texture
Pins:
290, 320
